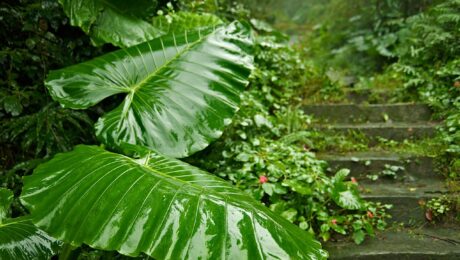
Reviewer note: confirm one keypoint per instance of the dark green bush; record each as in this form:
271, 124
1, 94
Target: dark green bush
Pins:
36, 37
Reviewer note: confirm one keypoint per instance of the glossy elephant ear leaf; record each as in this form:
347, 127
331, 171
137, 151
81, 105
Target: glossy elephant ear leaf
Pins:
180, 90
113, 21
21, 240
160, 206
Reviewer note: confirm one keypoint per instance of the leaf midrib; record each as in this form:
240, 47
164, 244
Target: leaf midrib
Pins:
13, 221
134, 88
175, 57
147, 166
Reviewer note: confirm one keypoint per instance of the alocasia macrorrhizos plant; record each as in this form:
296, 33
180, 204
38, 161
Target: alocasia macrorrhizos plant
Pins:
181, 90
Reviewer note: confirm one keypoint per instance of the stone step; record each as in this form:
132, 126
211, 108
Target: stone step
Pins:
405, 197
365, 165
376, 113
419, 244
390, 131
371, 96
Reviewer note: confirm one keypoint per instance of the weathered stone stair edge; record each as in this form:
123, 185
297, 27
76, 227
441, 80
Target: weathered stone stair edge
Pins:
405, 197
363, 164
349, 113
384, 105
391, 131
439, 243
405, 125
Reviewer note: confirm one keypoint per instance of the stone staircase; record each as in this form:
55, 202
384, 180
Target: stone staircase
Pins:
404, 180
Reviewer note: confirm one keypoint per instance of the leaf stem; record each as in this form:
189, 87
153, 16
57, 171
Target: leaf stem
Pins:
66, 251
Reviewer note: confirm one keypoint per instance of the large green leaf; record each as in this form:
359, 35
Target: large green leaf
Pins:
156, 205
19, 238
113, 21
181, 90
346, 196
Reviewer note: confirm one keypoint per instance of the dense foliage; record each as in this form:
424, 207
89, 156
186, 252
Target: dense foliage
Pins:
363, 31
429, 59
37, 38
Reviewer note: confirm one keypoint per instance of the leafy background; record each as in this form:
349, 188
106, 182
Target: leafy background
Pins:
38, 38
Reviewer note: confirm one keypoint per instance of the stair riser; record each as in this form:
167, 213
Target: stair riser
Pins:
414, 168
367, 97
351, 113
413, 244
389, 133
402, 256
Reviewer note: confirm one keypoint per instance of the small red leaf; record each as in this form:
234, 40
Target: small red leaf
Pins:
429, 215
457, 84
263, 179
370, 214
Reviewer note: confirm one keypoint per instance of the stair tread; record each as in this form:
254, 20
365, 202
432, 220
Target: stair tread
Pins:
427, 124
367, 105
416, 189
353, 113
390, 131
412, 244
368, 156
367, 165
